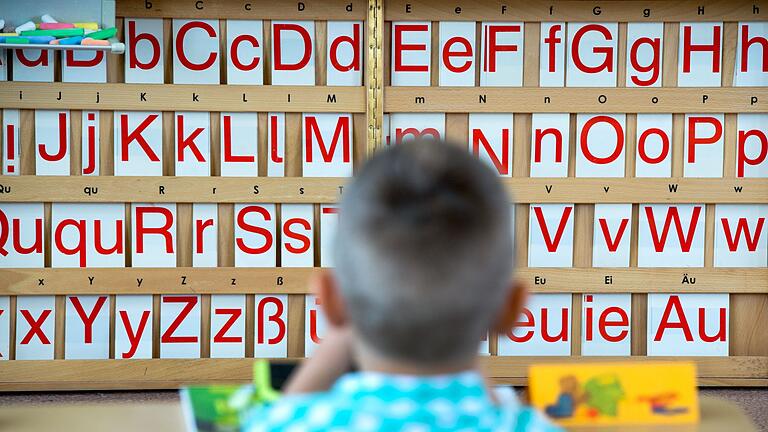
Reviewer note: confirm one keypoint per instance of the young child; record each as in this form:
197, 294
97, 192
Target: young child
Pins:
424, 258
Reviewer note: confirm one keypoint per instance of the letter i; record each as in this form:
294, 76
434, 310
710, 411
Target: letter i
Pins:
588, 318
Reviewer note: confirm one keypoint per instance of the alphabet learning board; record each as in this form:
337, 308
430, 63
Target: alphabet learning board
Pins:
167, 206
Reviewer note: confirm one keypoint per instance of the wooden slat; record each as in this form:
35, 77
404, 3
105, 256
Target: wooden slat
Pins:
174, 189
637, 190
748, 323
221, 9
174, 373
283, 280
565, 10
181, 97
177, 280
329, 190
574, 99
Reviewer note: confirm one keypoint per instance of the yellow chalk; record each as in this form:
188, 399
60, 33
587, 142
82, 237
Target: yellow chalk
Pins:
9, 34
87, 25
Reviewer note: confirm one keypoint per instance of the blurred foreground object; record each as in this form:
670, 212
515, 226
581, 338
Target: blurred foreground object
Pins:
620, 393
218, 408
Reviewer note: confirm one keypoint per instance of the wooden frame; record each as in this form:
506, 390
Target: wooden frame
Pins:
578, 100
239, 280
223, 9
748, 363
329, 190
574, 11
158, 97
174, 373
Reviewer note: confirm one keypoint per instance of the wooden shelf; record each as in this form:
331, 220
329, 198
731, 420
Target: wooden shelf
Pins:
173, 189
173, 280
329, 190
223, 9
573, 11
38, 375
283, 280
576, 99
182, 97
236, 98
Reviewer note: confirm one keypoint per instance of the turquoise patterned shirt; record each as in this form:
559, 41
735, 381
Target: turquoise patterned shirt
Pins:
369, 401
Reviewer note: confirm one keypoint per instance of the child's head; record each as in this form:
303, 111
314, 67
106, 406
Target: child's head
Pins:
423, 255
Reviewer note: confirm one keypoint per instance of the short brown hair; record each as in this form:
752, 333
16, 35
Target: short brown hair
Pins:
424, 251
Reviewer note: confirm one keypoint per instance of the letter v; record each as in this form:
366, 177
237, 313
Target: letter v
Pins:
613, 244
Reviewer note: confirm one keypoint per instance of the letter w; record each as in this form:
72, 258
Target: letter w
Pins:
742, 226
672, 214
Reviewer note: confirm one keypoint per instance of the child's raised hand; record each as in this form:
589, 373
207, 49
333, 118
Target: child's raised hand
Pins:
332, 359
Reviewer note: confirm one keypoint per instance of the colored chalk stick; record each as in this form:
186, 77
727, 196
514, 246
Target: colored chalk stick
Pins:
17, 40
40, 39
48, 19
29, 25
55, 26
55, 33
9, 34
86, 25
94, 42
54, 42
75, 40
103, 34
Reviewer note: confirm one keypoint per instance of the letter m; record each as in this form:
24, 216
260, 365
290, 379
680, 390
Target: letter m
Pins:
312, 131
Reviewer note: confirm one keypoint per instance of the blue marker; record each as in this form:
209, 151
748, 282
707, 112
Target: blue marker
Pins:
40, 39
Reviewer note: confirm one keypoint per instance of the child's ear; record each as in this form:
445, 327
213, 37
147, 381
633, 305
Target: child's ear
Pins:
323, 284
512, 307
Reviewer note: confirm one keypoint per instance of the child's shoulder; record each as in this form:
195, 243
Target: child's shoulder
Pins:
315, 410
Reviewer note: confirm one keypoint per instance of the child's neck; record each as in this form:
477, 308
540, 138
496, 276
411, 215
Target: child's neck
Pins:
373, 362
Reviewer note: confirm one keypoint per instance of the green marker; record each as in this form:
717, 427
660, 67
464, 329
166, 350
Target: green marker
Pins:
262, 382
103, 34
17, 40
57, 33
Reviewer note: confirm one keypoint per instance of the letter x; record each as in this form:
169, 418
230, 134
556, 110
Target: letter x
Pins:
35, 327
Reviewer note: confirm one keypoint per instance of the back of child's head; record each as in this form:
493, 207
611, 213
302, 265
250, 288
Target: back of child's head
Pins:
424, 252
